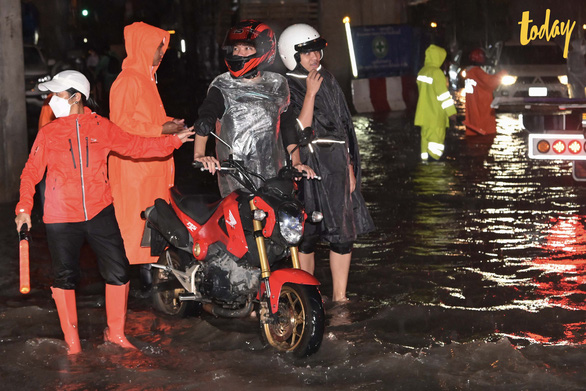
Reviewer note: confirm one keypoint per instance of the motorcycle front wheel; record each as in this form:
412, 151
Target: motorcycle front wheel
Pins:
168, 288
299, 327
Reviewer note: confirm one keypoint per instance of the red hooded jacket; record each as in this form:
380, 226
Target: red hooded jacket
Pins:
480, 117
74, 152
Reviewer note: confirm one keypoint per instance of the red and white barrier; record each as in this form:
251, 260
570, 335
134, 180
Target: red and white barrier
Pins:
384, 94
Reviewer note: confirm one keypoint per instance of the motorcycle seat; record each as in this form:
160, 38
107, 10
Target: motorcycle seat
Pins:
200, 207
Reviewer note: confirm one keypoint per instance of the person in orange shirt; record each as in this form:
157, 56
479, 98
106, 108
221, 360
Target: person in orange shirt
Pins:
46, 114
73, 151
135, 106
479, 86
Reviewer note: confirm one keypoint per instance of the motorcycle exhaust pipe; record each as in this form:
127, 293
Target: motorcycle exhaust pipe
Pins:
218, 311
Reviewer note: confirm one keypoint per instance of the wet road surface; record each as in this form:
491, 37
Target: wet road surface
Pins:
474, 279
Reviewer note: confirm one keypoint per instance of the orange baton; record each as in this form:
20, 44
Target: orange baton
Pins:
25, 280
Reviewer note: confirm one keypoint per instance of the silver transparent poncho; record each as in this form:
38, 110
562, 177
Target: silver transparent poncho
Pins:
250, 124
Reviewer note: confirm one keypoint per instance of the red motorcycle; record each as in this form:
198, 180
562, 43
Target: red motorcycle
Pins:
218, 254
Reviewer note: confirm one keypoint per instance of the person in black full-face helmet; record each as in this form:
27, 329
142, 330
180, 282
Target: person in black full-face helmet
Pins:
247, 102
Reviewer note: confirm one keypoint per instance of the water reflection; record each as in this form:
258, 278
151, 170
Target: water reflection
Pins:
475, 233
561, 281
563, 278
436, 215
472, 257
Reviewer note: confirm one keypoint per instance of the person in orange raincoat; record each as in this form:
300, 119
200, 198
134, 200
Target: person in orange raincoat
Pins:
135, 106
479, 86
46, 114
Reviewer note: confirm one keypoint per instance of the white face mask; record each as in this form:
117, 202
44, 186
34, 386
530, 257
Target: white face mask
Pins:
60, 106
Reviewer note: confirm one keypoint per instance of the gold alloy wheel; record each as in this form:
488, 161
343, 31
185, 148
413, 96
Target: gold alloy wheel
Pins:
286, 334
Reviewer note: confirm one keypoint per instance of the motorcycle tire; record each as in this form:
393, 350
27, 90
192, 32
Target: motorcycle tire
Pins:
167, 301
301, 320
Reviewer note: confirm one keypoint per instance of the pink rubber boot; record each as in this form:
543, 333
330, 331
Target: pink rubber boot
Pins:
116, 300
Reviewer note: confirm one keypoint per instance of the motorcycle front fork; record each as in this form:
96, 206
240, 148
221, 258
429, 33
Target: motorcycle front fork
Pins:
262, 251
264, 264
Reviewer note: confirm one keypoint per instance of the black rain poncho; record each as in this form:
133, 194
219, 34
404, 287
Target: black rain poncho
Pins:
345, 214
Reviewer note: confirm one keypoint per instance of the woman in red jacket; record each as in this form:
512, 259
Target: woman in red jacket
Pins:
73, 150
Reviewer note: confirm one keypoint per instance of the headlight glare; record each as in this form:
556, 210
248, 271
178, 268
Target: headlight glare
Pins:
290, 227
508, 80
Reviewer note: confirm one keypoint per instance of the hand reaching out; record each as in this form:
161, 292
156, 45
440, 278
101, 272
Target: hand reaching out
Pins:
184, 135
174, 126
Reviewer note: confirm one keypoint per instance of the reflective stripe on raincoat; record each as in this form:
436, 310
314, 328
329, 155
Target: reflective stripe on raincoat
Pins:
480, 117
435, 103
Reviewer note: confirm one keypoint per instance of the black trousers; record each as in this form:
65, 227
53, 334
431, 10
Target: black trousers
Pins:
102, 234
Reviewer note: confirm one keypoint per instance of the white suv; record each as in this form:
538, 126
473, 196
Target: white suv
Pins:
536, 71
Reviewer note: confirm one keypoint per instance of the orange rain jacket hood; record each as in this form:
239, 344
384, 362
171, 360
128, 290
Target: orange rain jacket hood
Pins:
142, 40
135, 106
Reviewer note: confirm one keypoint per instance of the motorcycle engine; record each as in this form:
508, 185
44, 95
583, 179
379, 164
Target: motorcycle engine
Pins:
229, 281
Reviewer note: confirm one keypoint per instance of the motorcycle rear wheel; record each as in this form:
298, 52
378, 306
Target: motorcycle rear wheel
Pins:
167, 301
300, 325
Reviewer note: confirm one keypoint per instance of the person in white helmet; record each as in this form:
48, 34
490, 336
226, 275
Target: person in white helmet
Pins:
317, 101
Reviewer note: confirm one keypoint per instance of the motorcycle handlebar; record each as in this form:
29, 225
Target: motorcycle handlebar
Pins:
197, 164
290, 172
200, 165
317, 177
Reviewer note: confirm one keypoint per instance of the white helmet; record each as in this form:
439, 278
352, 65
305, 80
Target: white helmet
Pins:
299, 38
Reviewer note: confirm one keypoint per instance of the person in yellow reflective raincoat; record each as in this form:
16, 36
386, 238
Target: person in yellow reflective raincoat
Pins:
435, 104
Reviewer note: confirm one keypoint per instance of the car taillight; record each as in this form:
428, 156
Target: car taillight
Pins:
558, 146
575, 146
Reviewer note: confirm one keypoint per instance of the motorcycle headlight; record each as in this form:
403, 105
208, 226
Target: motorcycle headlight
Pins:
291, 225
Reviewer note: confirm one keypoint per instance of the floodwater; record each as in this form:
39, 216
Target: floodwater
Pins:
474, 280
